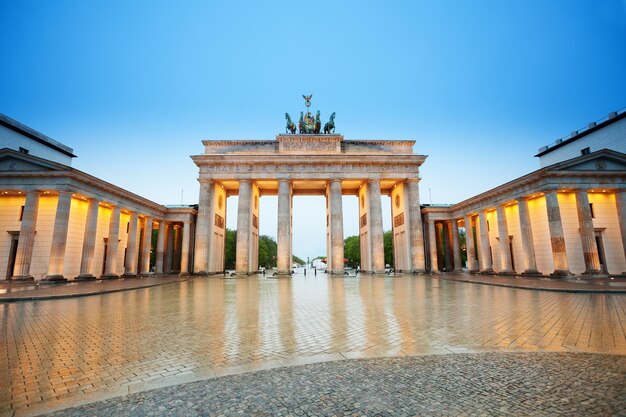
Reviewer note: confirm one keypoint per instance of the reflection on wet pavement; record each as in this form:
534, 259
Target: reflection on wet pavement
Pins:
63, 351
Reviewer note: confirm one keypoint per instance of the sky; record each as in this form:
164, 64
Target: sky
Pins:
134, 87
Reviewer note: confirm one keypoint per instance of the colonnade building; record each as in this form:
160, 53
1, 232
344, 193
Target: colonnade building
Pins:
568, 217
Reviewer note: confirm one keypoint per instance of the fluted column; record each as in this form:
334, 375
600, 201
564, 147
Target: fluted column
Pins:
158, 264
557, 237
204, 223
587, 234
244, 224
112, 245
59, 238
146, 246
418, 261
620, 200
336, 227
469, 244
284, 227
130, 268
184, 251
456, 247
376, 227
89, 242
432, 243
485, 252
26, 240
505, 250
526, 234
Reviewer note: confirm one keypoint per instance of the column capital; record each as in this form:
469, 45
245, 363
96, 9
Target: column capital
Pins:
205, 181
244, 180
373, 180
177, 226
415, 180
283, 179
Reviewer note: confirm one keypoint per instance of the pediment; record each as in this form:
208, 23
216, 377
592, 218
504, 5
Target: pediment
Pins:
11, 160
598, 161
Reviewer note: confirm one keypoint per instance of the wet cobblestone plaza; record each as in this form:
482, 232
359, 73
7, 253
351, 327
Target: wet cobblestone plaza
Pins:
58, 353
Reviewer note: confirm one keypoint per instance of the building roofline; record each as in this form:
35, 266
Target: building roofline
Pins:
590, 128
37, 136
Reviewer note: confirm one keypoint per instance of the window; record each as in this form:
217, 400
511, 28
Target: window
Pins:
21, 213
585, 151
23, 150
593, 215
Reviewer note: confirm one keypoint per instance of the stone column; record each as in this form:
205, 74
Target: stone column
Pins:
169, 249
456, 247
158, 264
557, 237
59, 238
418, 262
284, 227
587, 234
469, 244
146, 247
204, 223
244, 224
112, 245
130, 268
89, 242
336, 227
26, 240
432, 243
184, 252
178, 240
376, 227
505, 250
485, 252
620, 200
446, 234
526, 234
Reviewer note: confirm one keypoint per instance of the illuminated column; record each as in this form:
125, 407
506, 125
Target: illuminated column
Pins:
456, 247
376, 227
158, 264
113, 240
526, 234
505, 249
244, 224
26, 239
432, 242
204, 223
485, 252
59, 238
446, 237
146, 246
89, 242
184, 251
557, 238
418, 261
620, 199
130, 267
469, 244
336, 227
178, 240
587, 234
284, 227
169, 248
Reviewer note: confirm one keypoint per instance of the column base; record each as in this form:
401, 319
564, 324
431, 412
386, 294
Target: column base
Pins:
145, 275
338, 272
183, 274
129, 276
200, 273
594, 272
54, 278
531, 273
378, 272
85, 277
507, 272
22, 278
109, 276
419, 271
561, 273
473, 271
458, 270
434, 271
489, 271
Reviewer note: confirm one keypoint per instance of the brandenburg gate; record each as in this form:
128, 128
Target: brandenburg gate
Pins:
309, 164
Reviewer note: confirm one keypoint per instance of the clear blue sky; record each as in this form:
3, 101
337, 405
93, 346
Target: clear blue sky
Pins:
134, 87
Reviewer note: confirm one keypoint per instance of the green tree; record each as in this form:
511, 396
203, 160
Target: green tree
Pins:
267, 251
388, 244
352, 250
298, 260
230, 249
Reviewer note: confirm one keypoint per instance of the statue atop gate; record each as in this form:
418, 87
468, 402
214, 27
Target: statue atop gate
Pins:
309, 124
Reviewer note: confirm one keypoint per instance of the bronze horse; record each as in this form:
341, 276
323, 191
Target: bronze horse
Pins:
291, 126
330, 125
301, 125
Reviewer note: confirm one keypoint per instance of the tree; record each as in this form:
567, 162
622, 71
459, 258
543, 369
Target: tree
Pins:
230, 249
352, 250
388, 245
298, 260
267, 251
